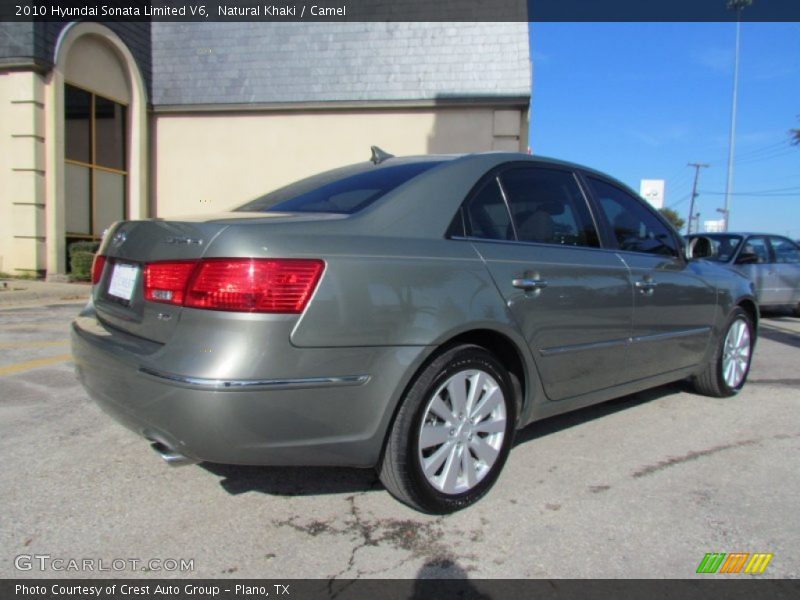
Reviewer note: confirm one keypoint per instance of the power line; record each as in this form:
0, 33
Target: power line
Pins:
679, 202
792, 194
773, 155
760, 192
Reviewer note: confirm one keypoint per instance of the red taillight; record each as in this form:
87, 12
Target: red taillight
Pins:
282, 285
166, 281
254, 285
98, 262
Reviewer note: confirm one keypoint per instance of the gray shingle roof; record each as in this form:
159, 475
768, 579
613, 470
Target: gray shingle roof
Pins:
252, 62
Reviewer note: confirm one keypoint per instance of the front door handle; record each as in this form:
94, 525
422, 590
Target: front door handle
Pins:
529, 284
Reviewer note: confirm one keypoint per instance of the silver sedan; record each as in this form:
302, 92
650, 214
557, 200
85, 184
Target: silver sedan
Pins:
771, 262
403, 314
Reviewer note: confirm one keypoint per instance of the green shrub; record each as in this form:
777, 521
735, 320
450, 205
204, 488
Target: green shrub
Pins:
83, 246
81, 265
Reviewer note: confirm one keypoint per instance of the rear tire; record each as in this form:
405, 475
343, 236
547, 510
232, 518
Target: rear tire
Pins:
452, 433
726, 372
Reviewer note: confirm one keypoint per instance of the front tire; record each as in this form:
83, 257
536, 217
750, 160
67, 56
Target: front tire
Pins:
452, 433
725, 374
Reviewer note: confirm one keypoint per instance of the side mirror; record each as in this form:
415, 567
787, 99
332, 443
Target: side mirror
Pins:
747, 258
699, 247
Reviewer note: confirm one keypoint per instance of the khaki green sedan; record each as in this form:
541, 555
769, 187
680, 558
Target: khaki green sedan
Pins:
403, 314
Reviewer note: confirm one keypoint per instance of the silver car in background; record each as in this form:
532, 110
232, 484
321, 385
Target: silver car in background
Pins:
403, 314
771, 262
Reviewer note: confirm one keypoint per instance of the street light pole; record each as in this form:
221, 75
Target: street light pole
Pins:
738, 6
697, 167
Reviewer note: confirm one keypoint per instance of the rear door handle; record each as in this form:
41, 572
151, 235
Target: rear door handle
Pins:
646, 287
529, 284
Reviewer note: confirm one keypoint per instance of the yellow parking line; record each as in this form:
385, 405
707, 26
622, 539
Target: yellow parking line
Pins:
33, 364
34, 344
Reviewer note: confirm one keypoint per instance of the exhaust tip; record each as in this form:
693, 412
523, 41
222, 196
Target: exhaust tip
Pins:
172, 457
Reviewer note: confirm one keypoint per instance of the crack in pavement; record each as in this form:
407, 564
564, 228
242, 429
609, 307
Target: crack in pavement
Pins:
696, 454
419, 539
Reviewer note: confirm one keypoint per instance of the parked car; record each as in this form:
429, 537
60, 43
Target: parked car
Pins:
771, 262
403, 314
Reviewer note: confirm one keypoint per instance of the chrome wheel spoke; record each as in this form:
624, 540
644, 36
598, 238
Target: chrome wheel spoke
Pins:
490, 401
441, 410
451, 469
457, 388
431, 465
476, 385
433, 435
486, 453
490, 426
468, 468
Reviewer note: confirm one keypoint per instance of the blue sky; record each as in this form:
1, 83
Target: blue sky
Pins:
641, 100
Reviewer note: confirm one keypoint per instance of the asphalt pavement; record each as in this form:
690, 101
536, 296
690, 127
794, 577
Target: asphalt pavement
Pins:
640, 487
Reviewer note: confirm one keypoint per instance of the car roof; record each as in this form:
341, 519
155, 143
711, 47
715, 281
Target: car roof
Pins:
740, 233
495, 158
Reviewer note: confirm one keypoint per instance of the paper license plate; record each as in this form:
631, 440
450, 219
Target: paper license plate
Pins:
123, 278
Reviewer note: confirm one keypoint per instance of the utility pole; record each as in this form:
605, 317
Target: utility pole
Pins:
697, 167
738, 6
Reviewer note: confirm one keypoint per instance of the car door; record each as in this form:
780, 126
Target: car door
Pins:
571, 299
674, 307
787, 269
756, 262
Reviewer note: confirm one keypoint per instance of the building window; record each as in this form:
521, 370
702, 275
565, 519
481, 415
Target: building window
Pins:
96, 163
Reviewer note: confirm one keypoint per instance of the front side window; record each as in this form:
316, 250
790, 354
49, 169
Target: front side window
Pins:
634, 226
548, 207
345, 191
755, 252
724, 247
785, 251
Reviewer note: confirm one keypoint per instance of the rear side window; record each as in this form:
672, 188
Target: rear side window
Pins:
344, 191
785, 251
635, 227
486, 214
548, 207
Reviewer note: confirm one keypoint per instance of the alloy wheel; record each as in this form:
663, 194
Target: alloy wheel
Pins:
462, 431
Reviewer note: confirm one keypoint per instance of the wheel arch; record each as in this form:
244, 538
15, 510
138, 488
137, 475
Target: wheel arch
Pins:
750, 306
508, 352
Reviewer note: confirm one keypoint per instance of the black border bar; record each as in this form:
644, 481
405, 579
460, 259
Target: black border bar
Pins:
703, 587
397, 10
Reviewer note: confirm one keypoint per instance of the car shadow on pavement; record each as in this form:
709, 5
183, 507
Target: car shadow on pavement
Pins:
293, 481
560, 422
781, 336
313, 481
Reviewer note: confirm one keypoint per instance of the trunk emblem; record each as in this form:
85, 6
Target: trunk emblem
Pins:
119, 239
183, 240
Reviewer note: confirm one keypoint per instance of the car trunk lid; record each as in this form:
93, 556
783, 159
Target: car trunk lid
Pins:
119, 294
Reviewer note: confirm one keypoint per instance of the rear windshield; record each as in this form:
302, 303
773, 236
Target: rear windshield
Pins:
346, 191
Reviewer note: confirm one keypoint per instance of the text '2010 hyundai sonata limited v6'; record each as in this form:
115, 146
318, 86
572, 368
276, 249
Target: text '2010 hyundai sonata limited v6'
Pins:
404, 314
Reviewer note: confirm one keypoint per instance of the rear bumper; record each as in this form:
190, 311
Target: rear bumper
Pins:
308, 417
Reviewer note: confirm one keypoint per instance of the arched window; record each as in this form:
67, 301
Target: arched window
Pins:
96, 162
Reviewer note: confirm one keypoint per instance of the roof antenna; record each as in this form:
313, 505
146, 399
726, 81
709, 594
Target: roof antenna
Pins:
378, 155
